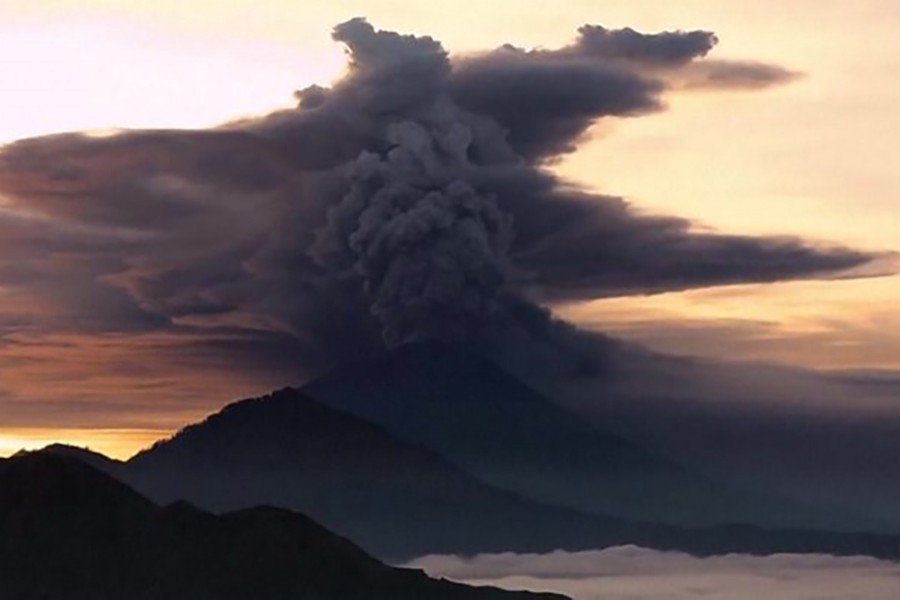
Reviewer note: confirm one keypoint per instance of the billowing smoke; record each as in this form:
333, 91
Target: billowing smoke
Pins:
431, 248
405, 216
667, 48
412, 190
425, 213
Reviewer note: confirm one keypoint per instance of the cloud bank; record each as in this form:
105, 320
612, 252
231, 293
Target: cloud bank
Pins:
630, 572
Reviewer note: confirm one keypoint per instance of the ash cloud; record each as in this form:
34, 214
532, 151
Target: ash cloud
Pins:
666, 48
546, 102
412, 189
430, 248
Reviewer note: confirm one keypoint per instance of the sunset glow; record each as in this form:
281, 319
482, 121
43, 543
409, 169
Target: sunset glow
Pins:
115, 443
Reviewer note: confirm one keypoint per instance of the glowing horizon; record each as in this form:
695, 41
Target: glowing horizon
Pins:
120, 444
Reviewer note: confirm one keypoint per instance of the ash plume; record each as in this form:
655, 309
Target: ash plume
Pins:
412, 190
431, 249
411, 200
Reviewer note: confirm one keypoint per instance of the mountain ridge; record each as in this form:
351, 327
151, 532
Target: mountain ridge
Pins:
101, 540
396, 515
396, 499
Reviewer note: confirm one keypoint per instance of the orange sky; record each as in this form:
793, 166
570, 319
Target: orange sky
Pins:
813, 158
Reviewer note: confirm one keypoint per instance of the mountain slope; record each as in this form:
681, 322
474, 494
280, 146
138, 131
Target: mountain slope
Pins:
69, 532
491, 425
399, 500
396, 499
101, 462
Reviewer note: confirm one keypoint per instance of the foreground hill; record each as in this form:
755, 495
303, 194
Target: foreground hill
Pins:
498, 429
70, 532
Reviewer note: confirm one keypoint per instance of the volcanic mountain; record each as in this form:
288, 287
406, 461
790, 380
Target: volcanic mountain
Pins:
396, 499
489, 424
68, 531
400, 500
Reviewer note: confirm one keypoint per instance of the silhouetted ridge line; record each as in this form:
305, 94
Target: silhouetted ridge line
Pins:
399, 500
70, 532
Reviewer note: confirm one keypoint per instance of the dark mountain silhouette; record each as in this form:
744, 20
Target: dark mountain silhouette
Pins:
99, 461
399, 500
70, 532
491, 425
396, 499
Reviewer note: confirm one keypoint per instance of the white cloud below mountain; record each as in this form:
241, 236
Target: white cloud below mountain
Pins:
636, 573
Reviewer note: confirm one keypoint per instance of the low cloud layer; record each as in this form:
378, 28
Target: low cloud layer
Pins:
630, 572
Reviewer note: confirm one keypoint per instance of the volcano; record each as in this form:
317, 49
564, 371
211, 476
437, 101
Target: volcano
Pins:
396, 499
489, 424
362, 452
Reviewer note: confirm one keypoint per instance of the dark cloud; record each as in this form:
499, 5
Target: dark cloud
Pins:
666, 48
548, 99
429, 247
408, 198
389, 73
574, 245
547, 102
403, 191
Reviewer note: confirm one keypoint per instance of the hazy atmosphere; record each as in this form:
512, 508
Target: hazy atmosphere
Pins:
588, 301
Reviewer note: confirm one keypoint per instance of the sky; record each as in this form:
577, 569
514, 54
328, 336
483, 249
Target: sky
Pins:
806, 157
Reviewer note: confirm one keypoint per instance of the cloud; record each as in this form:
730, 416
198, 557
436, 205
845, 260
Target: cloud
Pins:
631, 572
669, 48
176, 229
548, 99
547, 102
735, 75
430, 248
573, 246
